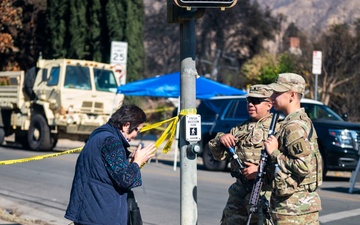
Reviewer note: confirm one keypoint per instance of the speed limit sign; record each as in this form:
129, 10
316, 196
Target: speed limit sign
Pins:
118, 57
118, 52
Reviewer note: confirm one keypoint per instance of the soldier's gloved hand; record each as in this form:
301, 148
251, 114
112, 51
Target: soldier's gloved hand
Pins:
228, 140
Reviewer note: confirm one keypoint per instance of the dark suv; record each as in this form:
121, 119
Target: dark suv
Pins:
339, 141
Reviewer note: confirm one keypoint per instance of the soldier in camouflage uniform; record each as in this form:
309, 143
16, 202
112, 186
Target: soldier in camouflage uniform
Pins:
294, 151
248, 141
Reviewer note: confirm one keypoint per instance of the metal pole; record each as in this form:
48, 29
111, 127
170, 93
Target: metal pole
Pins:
316, 88
188, 161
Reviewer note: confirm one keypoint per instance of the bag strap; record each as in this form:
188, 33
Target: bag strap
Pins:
130, 194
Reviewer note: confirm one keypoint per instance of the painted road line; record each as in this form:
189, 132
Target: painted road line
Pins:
339, 215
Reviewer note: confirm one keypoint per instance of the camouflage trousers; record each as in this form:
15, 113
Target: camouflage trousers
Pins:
305, 219
236, 211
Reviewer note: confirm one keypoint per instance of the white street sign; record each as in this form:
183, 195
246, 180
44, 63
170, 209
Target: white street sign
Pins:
316, 64
118, 52
118, 57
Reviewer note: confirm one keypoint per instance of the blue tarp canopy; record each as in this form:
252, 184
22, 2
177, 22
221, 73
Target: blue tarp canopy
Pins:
168, 86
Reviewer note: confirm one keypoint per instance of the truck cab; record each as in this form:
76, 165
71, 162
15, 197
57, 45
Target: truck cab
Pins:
61, 98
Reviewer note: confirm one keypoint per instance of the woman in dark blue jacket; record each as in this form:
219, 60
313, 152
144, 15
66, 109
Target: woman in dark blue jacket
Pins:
105, 170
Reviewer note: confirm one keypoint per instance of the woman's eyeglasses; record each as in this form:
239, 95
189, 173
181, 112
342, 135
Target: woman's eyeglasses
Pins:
256, 101
137, 130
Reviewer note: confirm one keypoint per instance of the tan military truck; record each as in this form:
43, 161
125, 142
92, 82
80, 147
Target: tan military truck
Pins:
58, 99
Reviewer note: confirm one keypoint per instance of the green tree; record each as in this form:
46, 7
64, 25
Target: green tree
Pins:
56, 28
115, 21
265, 67
94, 15
134, 36
287, 64
262, 68
78, 29
84, 29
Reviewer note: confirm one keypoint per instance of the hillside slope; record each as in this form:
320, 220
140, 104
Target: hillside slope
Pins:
312, 16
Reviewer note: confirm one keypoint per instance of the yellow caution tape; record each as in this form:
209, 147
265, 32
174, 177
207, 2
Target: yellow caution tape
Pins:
156, 128
169, 134
159, 110
170, 130
39, 157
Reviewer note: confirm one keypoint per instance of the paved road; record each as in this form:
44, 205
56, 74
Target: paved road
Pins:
32, 197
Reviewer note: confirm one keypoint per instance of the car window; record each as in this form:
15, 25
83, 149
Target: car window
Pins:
54, 76
315, 111
208, 109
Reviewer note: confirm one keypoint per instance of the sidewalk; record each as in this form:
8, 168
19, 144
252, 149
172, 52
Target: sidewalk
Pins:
14, 213
10, 217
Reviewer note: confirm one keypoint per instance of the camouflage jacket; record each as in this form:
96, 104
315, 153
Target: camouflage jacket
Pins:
250, 138
299, 167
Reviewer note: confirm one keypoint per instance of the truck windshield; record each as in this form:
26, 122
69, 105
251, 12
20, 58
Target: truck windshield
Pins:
105, 80
77, 77
315, 111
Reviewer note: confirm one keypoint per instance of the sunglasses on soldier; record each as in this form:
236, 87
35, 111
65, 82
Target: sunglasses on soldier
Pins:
256, 101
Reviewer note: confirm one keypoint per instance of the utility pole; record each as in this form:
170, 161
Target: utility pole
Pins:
188, 160
185, 12
188, 74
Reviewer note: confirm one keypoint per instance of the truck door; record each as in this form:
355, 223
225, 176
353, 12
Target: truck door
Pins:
46, 85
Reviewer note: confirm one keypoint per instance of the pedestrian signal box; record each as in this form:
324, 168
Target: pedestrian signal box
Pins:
205, 3
193, 128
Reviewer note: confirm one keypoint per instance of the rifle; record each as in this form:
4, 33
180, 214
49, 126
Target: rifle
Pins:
246, 183
255, 193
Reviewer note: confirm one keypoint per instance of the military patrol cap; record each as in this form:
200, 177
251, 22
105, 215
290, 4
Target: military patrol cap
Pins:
260, 91
289, 82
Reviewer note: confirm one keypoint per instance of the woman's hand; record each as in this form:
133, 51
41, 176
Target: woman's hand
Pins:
142, 155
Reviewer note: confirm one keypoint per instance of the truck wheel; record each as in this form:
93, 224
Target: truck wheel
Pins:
2, 135
39, 134
54, 141
209, 162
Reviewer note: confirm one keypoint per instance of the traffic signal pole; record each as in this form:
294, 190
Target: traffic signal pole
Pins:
185, 12
188, 160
